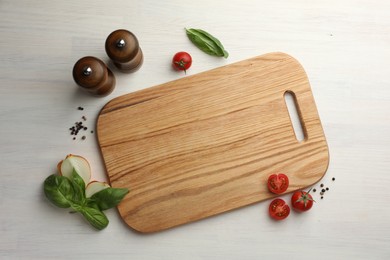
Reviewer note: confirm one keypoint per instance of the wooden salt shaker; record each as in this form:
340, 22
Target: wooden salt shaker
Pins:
93, 76
123, 48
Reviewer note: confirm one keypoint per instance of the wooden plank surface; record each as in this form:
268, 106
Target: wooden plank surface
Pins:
206, 144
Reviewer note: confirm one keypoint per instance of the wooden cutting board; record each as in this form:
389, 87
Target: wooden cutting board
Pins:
206, 144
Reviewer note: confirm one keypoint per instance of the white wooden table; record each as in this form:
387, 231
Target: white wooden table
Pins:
344, 46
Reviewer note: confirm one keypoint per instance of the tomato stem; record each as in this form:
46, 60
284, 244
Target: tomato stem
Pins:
305, 198
182, 64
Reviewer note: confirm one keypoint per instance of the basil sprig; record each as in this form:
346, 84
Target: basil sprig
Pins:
206, 42
70, 193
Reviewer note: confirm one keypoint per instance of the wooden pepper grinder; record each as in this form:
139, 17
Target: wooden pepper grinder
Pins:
123, 48
93, 76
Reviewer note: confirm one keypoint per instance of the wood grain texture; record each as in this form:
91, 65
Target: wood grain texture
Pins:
206, 144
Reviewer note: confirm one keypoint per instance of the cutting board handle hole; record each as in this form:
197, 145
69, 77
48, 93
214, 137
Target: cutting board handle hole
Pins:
296, 120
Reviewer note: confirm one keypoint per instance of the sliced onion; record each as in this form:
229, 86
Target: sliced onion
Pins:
94, 187
79, 163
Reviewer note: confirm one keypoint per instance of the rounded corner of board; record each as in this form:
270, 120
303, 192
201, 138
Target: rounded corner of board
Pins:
132, 223
138, 228
323, 171
327, 161
277, 55
107, 106
282, 57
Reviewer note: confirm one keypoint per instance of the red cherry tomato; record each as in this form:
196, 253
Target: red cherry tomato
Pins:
182, 61
278, 183
302, 200
278, 209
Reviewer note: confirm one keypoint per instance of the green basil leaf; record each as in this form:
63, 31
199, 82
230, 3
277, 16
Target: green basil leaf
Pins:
206, 42
92, 204
95, 217
109, 198
79, 188
76, 178
59, 190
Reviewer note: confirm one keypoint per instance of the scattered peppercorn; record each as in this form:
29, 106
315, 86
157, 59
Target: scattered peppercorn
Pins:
78, 126
91, 131
323, 189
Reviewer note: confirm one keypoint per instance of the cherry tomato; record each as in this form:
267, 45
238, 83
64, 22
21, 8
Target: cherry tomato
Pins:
302, 200
182, 61
278, 209
277, 183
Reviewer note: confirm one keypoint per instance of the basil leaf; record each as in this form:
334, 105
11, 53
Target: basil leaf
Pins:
76, 178
79, 188
59, 190
95, 217
91, 204
109, 198
206, 42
